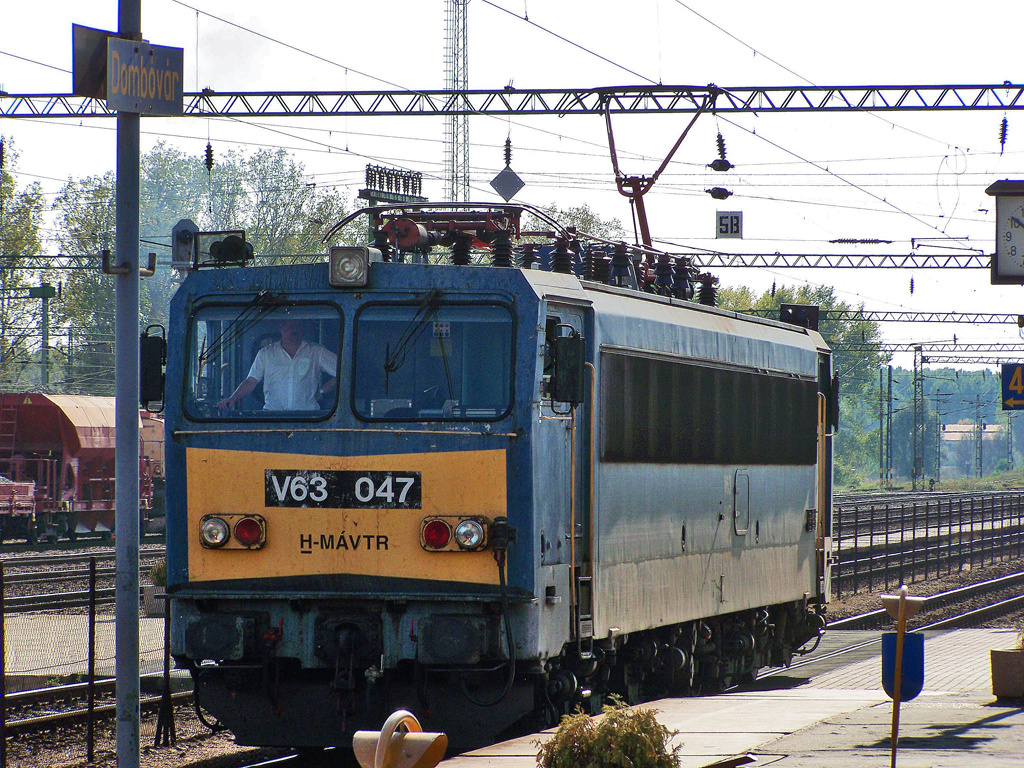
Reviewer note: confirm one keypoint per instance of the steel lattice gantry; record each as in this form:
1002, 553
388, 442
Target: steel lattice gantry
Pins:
842, 261
854, 315
931, 349
63, 261
566, 101
12, 261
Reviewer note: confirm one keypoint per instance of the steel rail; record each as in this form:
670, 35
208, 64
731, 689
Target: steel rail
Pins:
871, 619
73, 716
41, 577
58, 600
67, 558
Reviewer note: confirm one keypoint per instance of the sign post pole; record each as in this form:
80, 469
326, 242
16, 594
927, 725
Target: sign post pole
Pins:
901, 608
126, 417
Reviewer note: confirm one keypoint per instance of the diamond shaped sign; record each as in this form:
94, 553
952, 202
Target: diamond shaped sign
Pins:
507, 183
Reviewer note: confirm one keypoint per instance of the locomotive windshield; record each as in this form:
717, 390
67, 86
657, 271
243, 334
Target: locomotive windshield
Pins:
263, 361
433, 361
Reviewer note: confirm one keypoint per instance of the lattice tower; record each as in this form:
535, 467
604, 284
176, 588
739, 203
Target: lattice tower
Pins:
456, 70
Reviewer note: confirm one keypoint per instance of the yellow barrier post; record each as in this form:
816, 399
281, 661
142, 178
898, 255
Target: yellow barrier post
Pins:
391, 747
901, 608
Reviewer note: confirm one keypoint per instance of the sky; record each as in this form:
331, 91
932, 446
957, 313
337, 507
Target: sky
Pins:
914, 178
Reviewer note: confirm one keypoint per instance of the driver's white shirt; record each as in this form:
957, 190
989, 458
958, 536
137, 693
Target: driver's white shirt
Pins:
290, 383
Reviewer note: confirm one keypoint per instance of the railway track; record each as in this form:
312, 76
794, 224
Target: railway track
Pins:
65, 705
64, 579
32, 559
951, 601
955, 608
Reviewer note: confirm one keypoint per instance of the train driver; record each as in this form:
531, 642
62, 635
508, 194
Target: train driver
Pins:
290, 372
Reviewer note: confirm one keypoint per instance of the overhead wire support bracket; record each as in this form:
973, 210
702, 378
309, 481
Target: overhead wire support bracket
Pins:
122, 269
635, 187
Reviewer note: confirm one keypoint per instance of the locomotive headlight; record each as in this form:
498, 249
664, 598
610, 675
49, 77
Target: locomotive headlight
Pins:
469, 534
350, 265
214, 532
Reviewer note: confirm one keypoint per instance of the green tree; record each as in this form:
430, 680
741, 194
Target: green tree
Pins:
266, 194
21, 222
584, 218
84, 218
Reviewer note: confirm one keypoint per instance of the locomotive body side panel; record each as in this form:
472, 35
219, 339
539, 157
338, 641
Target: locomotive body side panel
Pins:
668, 548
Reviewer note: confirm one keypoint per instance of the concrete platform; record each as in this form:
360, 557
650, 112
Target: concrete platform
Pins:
839, 716
48, 645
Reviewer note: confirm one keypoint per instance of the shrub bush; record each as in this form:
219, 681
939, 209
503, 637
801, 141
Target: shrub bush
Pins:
158, 573
620, 738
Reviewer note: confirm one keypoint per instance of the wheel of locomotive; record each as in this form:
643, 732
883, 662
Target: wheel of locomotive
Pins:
682, 681
746, 678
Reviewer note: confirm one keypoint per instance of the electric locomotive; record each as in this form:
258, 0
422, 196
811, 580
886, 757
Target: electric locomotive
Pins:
517, 490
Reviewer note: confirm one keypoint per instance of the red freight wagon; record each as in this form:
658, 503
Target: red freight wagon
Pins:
64, 445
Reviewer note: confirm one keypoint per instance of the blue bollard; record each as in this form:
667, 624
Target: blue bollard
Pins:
913, 664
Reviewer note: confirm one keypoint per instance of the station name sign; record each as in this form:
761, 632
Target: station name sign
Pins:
144, 78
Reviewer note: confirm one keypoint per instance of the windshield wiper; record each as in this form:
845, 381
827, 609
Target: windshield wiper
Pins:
250, 315
427, 309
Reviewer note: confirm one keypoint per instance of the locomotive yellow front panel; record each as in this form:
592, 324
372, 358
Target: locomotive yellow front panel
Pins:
356, 515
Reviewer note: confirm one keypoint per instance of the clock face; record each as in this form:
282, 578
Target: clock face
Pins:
1010, 235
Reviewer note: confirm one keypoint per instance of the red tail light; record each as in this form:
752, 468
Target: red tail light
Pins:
249, 532
437, 534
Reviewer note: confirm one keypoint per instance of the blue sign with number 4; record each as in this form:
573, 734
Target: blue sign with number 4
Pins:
1013, 386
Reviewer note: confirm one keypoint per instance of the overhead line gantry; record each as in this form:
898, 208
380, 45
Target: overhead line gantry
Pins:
855, 315
663, 99
935, 347
701, 261
972, 260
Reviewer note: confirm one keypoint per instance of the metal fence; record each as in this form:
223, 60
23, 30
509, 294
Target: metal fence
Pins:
56, 684
884, 544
